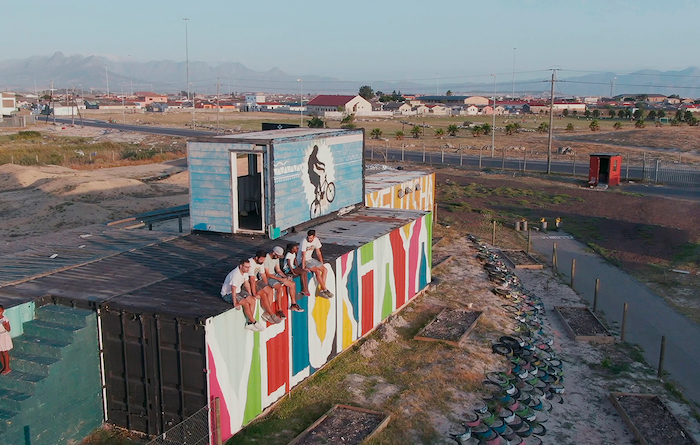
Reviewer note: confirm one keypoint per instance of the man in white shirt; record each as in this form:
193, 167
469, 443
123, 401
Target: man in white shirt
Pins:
292, 268
236, 291
310, 244
260, 288
276, 278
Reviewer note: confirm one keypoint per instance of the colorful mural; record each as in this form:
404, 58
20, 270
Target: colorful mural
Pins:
316, 176
249, 371
415, 194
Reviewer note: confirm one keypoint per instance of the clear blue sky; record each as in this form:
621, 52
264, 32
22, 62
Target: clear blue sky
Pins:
368, 40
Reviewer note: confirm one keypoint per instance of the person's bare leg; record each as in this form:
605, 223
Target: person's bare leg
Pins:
5, 362
266, 300
304, 279
318, 271
292, 290
280, 300
248, 304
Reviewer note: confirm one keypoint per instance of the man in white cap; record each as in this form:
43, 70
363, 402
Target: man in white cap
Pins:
276, 278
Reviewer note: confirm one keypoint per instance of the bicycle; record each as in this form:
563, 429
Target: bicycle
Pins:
326, 191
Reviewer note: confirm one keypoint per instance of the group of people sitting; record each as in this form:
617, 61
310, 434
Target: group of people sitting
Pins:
262, 278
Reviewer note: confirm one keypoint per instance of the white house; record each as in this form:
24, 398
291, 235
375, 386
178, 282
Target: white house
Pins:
252, 101
472, 110
356, 105
8, 104
399, 108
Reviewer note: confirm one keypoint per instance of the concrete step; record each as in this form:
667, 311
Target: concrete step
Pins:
39, 346
50, 330
6, 419
20, 381
14, 400
63, 315
33, 364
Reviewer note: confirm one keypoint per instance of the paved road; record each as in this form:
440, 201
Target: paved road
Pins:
649, 316
140, 128
666, 191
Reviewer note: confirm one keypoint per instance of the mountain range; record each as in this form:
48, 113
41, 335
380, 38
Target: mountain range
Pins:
166, 76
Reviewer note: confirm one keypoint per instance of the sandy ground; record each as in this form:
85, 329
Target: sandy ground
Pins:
41, 200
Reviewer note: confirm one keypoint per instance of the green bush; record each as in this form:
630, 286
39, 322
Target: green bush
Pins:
25, 135
138, 154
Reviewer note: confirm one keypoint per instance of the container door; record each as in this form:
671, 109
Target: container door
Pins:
593, 170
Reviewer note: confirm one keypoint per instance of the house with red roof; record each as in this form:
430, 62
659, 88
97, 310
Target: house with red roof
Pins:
323, 103
146, 97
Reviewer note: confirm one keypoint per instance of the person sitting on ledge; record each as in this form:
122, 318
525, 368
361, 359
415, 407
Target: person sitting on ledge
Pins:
236, 291
292, 268
260, 288
310, 244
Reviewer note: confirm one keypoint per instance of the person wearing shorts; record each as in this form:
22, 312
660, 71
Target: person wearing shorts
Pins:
5, 342
236, 291
292, 268
260, 287
309, 245
276, 278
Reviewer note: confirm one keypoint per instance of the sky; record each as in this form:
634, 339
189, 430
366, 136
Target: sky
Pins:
423, 41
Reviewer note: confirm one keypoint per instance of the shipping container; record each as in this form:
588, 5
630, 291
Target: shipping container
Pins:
400, 189
271, 181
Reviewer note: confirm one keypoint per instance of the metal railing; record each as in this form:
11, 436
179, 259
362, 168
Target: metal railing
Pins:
194, 430
519, 159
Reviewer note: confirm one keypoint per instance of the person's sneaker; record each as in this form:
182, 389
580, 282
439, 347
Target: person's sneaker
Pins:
306, 293
281, 315
326, 293
259, 326
250, 327
296, 308
267, 317
275, 319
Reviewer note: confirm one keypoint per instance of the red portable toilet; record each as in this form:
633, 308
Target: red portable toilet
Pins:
604, 169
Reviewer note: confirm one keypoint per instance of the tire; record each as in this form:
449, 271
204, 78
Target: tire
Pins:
330, 192
315, 209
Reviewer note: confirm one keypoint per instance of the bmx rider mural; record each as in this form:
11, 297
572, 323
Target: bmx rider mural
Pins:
320, 188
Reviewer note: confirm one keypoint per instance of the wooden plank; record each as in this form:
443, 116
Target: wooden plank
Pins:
607, 337
379, 428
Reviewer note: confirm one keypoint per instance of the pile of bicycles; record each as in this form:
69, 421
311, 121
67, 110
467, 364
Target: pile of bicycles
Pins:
521, 397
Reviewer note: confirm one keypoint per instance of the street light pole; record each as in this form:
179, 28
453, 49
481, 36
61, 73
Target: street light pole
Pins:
551, 123
301, 102
512, 96
493, 112
107, 74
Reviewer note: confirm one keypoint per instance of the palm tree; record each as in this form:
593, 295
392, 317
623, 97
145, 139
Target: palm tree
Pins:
399, 135
452, 130
570, 127
617, 126
376, 133
639, 124
416, 131
476, 130
439, 133
509, 129
486, 128
595, 126
543, 128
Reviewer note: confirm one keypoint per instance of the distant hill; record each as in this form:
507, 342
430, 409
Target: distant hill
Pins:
170, 76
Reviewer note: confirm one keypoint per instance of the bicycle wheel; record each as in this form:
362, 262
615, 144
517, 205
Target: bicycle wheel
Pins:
315, 209
330, 192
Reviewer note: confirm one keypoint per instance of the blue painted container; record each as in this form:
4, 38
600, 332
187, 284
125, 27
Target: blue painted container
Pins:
270, 181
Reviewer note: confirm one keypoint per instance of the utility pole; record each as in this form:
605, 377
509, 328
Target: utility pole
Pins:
217, 105
612, 85
187, 67
107, 74
551, 124
512, 96
493, 113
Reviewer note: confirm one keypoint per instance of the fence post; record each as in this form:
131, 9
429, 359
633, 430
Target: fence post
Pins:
442, 160
528, 241
644, 166
662, 356
217, 414
573, 271
386, 153
371, 157
525, 160
461, 154
656, 171
480, 157
403, 148
503, 158
493, 235
555, 261
627, 168
595, 295
423, 152
574, 162
624, 322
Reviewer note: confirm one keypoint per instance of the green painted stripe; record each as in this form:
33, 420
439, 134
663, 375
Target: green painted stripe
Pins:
253, 404
388, 306
367, 252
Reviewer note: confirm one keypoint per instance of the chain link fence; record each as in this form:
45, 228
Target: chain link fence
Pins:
192, 431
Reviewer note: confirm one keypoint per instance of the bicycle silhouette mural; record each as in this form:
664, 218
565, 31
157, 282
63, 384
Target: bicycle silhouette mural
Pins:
324, 190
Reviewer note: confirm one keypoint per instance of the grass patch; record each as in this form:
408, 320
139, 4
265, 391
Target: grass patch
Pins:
109, 435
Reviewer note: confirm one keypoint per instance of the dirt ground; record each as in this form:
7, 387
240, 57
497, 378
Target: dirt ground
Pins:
644, 235
40, 200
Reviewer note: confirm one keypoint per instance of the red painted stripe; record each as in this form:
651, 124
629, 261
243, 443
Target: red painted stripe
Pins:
367, 301
278, 360
214, 392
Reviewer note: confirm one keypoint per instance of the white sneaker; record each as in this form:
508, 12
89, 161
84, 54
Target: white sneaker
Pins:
267, 317
259, 326
251, 327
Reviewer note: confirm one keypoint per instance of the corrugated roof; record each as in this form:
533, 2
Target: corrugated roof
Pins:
382, 179
327, 100
182, 277
271, 135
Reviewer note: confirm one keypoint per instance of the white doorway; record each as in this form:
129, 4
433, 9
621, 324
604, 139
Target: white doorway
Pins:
248, 192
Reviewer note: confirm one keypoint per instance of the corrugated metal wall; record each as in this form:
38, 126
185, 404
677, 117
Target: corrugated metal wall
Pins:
210, 186
294, 193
